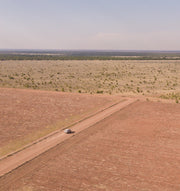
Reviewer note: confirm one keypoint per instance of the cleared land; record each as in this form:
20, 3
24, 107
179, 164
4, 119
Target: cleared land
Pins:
155, 77
137, 148
16, 159
27, 115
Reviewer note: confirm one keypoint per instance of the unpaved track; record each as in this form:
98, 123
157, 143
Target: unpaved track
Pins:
26, 114
17, 159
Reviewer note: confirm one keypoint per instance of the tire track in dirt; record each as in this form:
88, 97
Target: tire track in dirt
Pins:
17, 159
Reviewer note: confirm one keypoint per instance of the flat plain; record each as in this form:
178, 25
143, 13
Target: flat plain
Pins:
137, 148
27, 115
154, 77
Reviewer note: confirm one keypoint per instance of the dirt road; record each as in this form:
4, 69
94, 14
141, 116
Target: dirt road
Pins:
27, 115
9, 163
134, 149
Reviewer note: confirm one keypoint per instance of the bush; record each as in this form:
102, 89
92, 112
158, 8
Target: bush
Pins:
99, 91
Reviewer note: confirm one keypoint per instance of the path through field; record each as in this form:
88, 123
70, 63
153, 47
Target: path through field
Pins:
9, 163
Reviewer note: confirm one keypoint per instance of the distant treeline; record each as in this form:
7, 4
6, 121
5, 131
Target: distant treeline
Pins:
58, 57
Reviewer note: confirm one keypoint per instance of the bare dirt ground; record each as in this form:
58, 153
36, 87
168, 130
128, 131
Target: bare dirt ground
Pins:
26, 115
135, 149
18, 158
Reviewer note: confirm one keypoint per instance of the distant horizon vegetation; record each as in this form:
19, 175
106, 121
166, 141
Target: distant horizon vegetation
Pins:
54, 54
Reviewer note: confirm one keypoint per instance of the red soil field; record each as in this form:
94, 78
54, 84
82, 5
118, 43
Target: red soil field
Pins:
135, 149
32, 150
25, 115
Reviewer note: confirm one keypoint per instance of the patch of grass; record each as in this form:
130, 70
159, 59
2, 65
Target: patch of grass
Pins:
99, 91
173, 96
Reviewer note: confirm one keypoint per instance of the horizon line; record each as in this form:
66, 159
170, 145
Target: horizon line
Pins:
100, 50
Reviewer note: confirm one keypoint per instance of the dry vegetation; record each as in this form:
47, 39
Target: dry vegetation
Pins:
155, 77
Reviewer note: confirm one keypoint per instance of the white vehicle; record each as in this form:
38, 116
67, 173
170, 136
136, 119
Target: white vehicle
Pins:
67, 131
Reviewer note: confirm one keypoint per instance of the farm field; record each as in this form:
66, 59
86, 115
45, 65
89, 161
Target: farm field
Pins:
137, 77
89, 95
136, 148
27, 115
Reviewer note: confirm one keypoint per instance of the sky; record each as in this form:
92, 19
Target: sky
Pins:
90, 24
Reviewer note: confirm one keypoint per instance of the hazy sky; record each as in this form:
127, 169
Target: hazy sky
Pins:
90, 24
